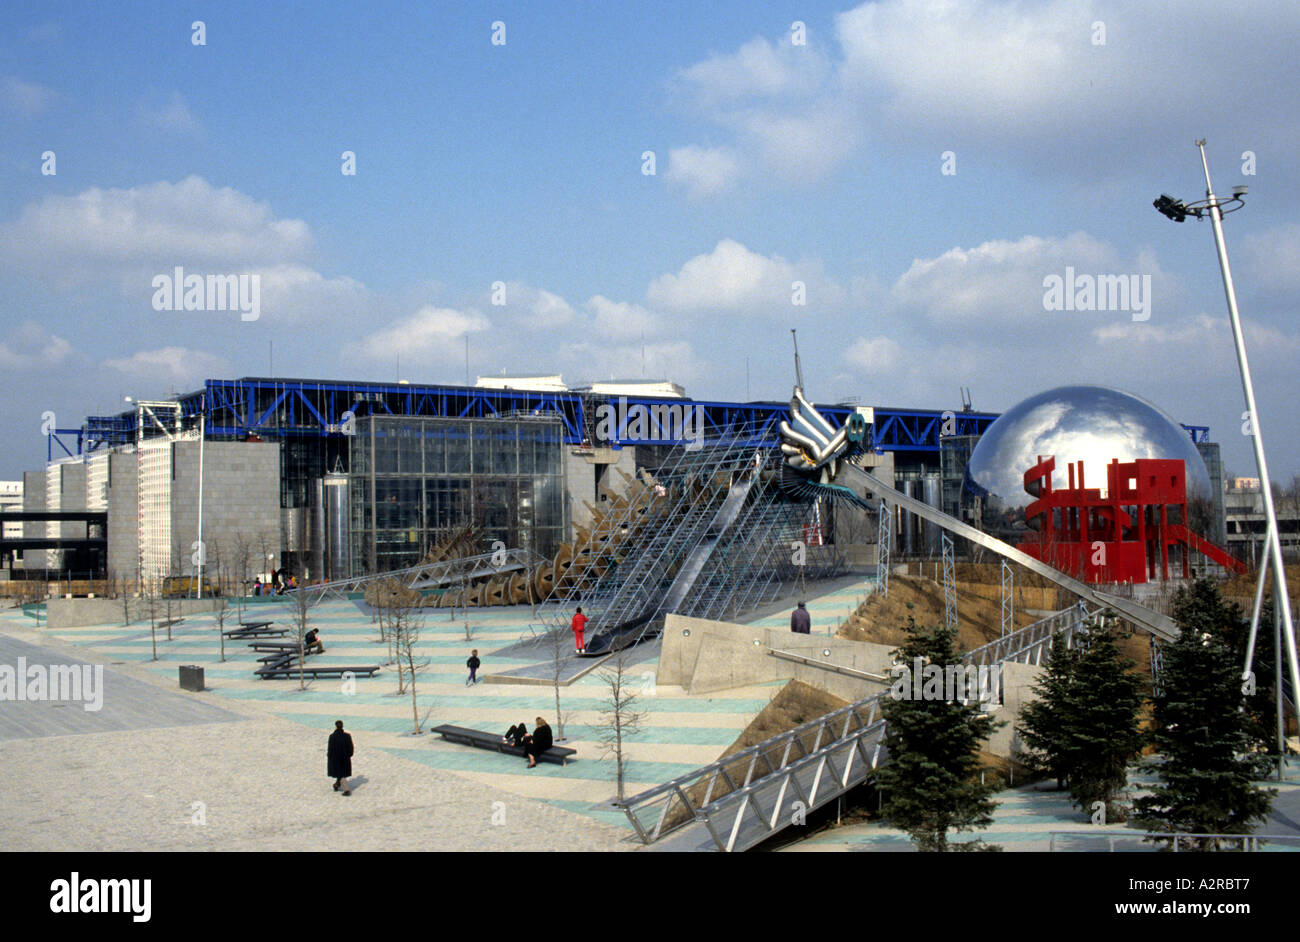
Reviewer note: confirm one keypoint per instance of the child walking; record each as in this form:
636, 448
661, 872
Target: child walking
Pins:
473, 665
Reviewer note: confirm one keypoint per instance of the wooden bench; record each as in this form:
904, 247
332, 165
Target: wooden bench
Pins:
254, 625
290, 671
481, 740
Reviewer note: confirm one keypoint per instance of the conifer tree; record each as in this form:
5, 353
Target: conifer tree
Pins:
1086, 726
931, 783
1212, 754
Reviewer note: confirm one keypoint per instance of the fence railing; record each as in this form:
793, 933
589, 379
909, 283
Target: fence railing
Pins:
742, 798
1138, 841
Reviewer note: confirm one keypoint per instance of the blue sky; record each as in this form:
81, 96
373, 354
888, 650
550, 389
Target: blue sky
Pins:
775, 161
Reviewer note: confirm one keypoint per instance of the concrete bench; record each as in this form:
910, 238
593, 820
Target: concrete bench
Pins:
493, 741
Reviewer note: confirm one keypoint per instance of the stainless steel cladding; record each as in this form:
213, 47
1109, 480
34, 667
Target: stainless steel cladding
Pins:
1092, 424
931, 531
337, 549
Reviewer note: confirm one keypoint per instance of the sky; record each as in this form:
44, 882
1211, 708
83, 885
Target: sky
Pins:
659, 189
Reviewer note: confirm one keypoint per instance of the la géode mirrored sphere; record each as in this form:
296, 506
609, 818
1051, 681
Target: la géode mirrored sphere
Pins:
1093, 424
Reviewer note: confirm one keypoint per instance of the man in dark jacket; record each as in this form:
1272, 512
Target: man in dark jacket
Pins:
800, 620
339, 765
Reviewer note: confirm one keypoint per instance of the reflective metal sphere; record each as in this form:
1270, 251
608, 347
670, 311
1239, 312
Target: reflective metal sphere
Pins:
1089, 423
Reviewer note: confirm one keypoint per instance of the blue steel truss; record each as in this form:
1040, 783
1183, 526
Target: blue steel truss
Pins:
276, 408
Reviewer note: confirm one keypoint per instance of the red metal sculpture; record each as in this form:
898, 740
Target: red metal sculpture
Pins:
1123, 537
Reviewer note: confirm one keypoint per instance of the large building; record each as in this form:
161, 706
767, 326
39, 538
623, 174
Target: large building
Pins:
333, 479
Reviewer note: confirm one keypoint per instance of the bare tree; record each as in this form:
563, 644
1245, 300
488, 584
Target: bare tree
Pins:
151, 601
559, 645
406, 625
301, 611
222, 611
620, 719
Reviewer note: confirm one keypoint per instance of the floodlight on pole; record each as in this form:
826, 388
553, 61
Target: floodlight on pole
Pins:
1216, 209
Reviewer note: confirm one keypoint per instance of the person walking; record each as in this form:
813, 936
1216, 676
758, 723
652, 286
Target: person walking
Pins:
473, 664
579, 625
800, 620
339, 757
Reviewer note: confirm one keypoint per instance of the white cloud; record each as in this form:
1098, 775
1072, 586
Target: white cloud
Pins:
27, 98
1001, 282
733, 278
590, 361
172, 115
1273, 257
30, 346
702, 171
431, 334
174, 366
620, 320
1027, 81
758, 67
531, 308
156, 225
877, 355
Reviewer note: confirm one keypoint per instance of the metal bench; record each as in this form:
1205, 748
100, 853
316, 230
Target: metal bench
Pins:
237, 633
281, 672
493, 741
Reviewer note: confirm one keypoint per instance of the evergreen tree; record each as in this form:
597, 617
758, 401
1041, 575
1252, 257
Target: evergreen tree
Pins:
1045, 723
1208, 742
1201, 605
931, 783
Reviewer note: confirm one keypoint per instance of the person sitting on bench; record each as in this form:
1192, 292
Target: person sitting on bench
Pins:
516, 735
312, 644
537, 743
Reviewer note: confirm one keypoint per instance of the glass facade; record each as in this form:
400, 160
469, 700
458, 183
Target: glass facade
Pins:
416, 481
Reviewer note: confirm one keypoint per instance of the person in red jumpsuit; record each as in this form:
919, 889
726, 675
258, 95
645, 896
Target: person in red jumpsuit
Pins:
579, 625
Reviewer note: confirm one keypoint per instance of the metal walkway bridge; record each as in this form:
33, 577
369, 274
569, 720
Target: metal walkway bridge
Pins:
744, 799
424, 577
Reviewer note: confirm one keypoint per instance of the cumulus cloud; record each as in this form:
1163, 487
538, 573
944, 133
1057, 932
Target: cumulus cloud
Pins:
172, 115
1273, 257
431, 334
1001, 282
26, 98
31, 347
530, 308
877, 355
702, 171
733, 278
155, 225
1022, 79
175, 366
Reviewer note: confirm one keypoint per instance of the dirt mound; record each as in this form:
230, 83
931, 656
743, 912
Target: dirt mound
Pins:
796, 703
882, 619
1242, 588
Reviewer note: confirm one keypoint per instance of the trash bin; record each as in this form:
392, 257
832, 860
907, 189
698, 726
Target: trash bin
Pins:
191, 677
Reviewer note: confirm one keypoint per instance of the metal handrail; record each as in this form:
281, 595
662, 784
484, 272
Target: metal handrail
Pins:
1020, 643
1250, 842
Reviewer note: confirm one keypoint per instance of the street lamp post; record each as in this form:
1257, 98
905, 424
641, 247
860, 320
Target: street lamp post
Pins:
1178, 211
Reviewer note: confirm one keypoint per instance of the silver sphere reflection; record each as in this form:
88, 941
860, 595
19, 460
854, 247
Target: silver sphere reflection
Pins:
1093, 424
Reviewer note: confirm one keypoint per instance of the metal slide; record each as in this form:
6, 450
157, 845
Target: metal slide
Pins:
634, 629
857, 483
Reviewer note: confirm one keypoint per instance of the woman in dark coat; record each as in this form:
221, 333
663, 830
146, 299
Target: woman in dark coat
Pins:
339, 757
538, 742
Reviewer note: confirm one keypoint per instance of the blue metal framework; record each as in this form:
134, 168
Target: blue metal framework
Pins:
276, 408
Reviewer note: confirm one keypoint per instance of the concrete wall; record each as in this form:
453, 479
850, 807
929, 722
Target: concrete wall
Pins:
34, 499
580, 473
123, 516
241, 500
79, 613
1017, 681
704, 656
